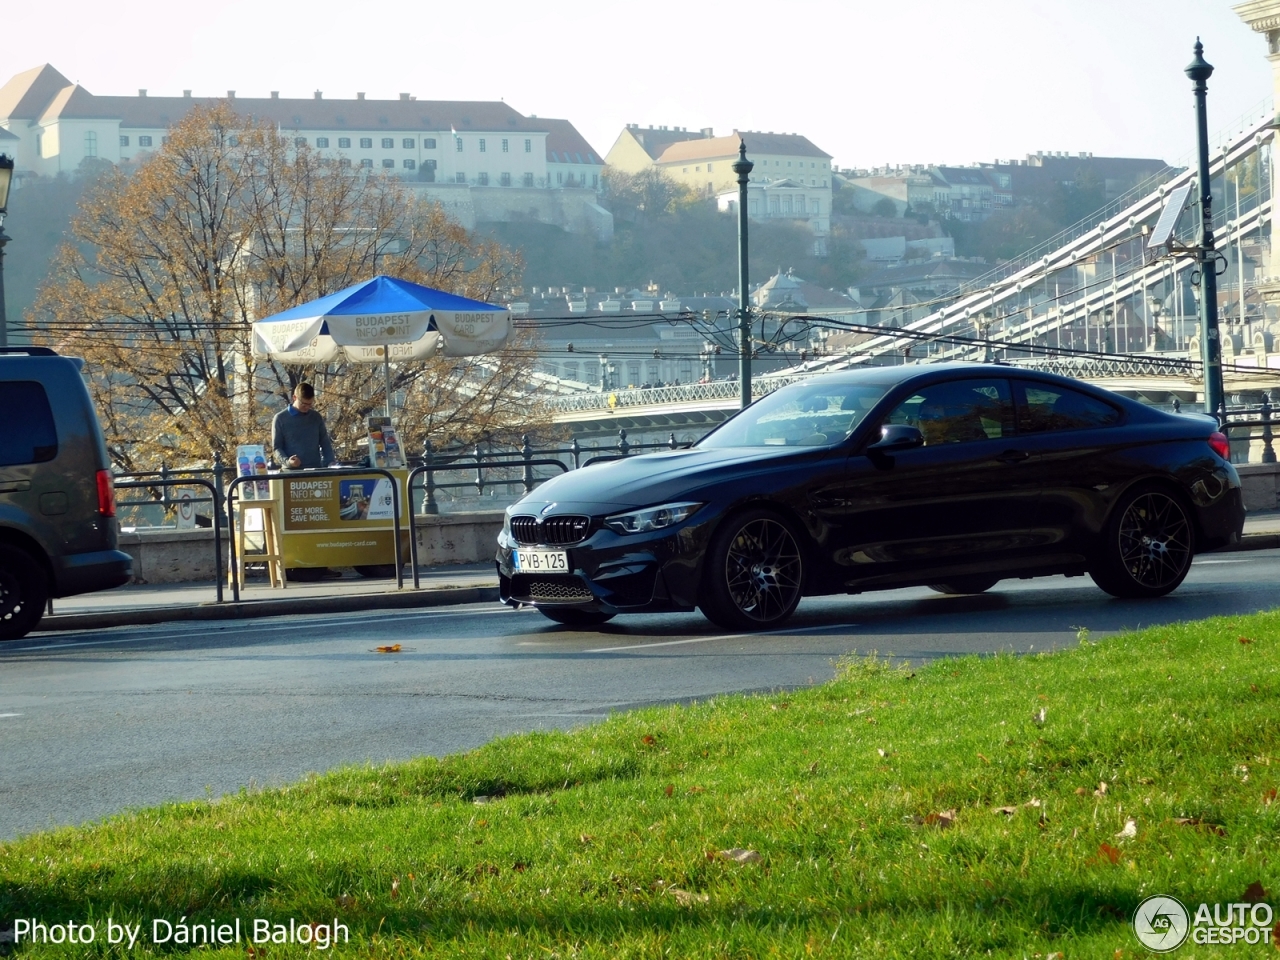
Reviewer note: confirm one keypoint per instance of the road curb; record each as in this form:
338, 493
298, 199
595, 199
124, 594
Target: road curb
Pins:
252, 609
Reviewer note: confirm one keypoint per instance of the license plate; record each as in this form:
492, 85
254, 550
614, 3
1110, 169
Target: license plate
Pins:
542, 561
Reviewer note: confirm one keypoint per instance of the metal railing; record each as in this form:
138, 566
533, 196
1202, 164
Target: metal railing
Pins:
1260, 419
164, 483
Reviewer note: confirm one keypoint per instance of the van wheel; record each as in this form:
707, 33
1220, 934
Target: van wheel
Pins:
23, 593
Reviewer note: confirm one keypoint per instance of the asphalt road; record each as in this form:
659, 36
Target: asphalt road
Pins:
94, 722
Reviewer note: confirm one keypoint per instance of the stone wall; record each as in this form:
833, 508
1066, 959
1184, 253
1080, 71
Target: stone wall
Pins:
183, 556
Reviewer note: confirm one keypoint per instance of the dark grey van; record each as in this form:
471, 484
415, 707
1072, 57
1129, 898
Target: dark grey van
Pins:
58, 533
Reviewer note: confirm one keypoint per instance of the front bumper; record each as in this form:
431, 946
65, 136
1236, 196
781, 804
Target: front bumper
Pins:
611, 572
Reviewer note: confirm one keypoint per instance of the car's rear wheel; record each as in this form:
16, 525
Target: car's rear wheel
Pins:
24, 591
961, 585
575, 618
754, 573
1147, 546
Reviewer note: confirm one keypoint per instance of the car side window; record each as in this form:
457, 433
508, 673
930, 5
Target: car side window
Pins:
1046, 407
958, 411
27, 433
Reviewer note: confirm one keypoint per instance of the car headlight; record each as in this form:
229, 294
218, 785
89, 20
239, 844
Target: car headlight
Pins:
651, 518
506, 524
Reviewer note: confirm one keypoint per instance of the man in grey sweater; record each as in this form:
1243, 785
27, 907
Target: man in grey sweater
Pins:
298, 434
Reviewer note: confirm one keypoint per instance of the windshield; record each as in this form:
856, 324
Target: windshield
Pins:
813, 414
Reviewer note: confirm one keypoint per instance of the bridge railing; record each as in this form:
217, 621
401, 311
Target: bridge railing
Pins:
655, 396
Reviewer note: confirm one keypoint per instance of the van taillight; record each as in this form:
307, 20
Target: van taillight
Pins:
1220, 445
106, 494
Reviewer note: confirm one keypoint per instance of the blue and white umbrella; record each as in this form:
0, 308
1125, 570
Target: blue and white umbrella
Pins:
381, 320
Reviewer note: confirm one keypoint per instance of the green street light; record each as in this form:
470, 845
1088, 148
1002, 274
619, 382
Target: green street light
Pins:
6, 181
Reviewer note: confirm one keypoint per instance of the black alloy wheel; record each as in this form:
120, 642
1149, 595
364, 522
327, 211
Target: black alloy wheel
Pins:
962, 585
23, 593
575, 618
1148, 547
755, 572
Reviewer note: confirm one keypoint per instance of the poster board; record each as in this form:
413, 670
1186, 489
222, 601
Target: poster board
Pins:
338, 521
384, 444
251, 461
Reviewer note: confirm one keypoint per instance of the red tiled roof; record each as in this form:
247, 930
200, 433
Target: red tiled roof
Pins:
716, 148
564, 141
313, 114
25, 96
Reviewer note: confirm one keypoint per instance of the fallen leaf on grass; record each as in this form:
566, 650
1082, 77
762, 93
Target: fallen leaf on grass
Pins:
1007, 811
1082, 791
983, 758
389, 648
648, 740
1038, 717
1102, 790
1254, 893
1269, 797
1130, 830
1109, 852
395, 887
738, 855
1246, 640
1033, 802
943, 820
685, 898
585, 838
697, 789
669, 789
813, 767
1200, 825
519, 867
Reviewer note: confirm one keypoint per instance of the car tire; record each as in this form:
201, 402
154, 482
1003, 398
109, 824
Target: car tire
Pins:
24, 590
962, 585
754, 575
575, 618
1147, 545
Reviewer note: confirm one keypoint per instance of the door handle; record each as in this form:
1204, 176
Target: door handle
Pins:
14, 486
1013, 456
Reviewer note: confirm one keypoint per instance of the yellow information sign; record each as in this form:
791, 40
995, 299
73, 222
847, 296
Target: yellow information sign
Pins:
340, 521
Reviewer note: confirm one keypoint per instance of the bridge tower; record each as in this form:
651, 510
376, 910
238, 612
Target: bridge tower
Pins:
1263, 16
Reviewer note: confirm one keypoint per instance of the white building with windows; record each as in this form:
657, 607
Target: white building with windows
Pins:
58, 124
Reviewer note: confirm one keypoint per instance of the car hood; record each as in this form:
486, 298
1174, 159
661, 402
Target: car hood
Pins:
654, 477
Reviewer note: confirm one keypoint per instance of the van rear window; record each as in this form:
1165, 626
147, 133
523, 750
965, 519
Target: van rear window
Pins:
27, 434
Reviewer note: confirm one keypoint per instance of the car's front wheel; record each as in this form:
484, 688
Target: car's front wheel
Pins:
1147, 546
575, 618
754, 573
23, 593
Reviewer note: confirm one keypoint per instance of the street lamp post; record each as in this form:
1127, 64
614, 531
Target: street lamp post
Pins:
1210, 343
6, 180
1154, 343
742, 166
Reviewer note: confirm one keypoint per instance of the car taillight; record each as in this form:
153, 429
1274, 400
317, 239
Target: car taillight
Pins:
1220, 445
106, 494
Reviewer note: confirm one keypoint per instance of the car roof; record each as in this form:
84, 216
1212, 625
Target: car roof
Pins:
924, 373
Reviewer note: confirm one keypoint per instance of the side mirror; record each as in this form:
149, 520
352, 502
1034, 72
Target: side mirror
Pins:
895, 437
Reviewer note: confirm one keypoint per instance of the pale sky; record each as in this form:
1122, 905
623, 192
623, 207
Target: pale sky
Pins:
952, 81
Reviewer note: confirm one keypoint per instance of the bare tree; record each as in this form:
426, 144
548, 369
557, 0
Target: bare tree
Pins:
171, 262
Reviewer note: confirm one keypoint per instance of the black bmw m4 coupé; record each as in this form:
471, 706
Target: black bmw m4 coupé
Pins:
954, 476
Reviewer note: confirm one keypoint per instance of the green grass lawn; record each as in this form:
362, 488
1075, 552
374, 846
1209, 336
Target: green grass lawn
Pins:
924, 812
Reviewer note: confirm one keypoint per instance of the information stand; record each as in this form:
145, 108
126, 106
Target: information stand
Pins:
343, 521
